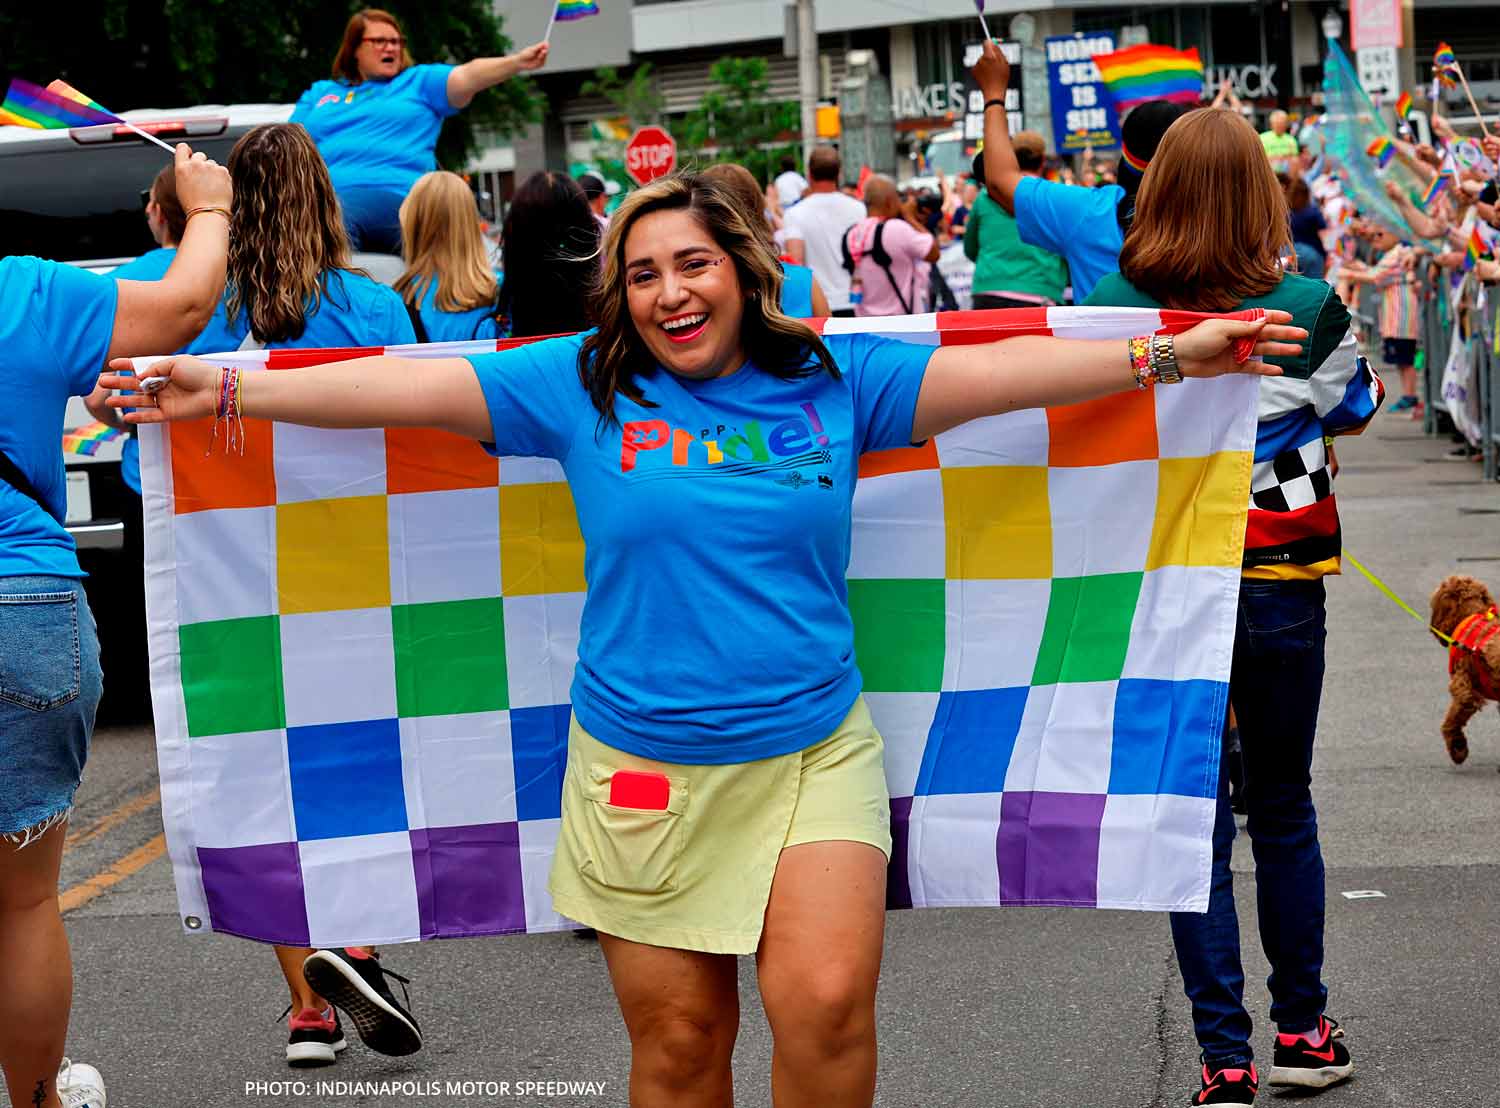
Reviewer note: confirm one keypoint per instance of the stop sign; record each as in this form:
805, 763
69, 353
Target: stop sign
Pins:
650, 153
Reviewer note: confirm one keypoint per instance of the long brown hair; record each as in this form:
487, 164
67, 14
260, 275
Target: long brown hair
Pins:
287, 233
441, 241
345, 66
613, 357
1210, 222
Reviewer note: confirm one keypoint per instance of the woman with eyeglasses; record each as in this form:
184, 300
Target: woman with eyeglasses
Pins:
376, 122
725, 791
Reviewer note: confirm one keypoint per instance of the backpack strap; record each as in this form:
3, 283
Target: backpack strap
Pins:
879, 256
416, 321
11, 474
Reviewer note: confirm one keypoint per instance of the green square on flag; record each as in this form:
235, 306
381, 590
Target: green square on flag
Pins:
900, 627
1088, 628
450, 657
231, 675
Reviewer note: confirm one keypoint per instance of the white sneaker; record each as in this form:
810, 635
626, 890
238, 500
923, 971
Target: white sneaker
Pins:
79, 1086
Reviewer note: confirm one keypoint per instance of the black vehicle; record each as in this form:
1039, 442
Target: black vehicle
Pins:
75, 196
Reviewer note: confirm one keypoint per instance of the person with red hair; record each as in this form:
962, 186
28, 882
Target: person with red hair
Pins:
376, 121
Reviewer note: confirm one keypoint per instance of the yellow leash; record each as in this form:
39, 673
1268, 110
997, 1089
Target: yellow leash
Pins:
1383, 587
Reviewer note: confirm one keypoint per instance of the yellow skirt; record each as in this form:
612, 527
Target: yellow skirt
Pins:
687, 862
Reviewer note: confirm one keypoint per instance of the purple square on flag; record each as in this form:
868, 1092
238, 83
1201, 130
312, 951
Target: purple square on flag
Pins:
1048, 848
898, 880
469, 880
256, 892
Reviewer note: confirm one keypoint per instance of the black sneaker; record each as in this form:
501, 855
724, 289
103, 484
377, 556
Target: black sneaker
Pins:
314, 1038
1228, 1087
1298, 1062
357, 985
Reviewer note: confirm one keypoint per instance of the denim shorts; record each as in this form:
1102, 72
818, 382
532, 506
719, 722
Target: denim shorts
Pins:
49, 691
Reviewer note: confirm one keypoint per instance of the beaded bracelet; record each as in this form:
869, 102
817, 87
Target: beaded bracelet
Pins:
1142, 364
228, 411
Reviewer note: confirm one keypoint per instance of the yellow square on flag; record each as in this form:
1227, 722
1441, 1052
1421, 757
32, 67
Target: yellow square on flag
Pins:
999, 522
541, 548
333, 554
1198, 504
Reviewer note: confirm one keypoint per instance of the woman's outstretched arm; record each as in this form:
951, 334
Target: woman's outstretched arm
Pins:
1033, 371
365, 392
470, 79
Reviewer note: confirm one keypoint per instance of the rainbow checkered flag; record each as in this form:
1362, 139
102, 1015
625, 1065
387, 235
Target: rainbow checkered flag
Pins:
362, 644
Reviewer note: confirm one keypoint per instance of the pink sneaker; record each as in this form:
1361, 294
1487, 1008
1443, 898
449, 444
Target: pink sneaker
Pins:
315, 1039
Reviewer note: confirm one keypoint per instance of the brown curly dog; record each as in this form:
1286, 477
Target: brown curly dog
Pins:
1474, 674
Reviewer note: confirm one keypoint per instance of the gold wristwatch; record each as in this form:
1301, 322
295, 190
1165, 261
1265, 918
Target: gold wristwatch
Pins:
1164, 360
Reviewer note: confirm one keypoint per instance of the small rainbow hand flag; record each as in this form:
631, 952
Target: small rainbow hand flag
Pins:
1146, 72
1476, 248
1445, 65
575, 9
1382, 149
89, 438
57, 106
1435, 189
1403, 105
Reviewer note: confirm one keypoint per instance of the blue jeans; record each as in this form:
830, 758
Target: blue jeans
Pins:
372, 220
49, 690
1275, 684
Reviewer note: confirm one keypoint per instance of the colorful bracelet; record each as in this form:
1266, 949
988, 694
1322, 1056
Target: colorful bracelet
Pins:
1141, 362
227, 410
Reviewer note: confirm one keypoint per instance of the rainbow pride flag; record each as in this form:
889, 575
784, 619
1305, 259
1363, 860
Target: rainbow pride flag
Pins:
89, 438
1382, 149
1403, 106
1477, 248
1445, 65
52, 108
1146, 72
1435, 189
575, 9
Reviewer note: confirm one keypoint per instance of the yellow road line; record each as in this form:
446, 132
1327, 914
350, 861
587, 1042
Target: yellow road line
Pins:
138, 859
109, 822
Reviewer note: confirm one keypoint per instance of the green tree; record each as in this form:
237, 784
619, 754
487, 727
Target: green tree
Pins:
738, 121
149, 53
636, 98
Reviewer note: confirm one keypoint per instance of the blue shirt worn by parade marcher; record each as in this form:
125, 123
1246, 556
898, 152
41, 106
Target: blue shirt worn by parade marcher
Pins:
796, 290
476, 323
1077, 224
717, 530
56, 322
355, 311
378, 134
150, 266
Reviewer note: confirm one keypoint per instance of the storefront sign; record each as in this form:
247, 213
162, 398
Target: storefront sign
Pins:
1082, 114
1248, 81
1374, 23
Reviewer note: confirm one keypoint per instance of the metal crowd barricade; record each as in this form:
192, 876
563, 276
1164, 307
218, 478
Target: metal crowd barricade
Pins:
1437, 341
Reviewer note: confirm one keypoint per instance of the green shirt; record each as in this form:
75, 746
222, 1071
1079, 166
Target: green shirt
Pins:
1312, 304
1278, 146
1002, 262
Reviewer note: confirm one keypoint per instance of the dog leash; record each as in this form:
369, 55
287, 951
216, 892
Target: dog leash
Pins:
1403, 605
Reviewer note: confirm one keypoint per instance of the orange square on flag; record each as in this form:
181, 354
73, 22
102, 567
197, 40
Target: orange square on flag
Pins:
1101, 432
420, 459
225, 478
903, 459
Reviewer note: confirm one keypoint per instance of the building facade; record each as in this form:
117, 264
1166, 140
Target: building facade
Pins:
912, 53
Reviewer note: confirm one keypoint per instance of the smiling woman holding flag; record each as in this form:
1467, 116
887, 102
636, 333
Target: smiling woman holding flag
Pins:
376, 122
725, 792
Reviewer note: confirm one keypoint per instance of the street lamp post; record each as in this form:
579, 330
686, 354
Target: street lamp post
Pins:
807, 76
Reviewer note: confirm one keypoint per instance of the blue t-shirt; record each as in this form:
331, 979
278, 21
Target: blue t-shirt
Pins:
355, 311
796, 290
151, 266
1075, 223
476, 323
378, 134
55, 325
716, 529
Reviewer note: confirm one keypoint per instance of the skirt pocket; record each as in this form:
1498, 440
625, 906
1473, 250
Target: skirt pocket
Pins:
627, 848
39, 649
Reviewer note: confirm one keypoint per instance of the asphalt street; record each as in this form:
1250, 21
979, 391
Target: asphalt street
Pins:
1013, 1008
